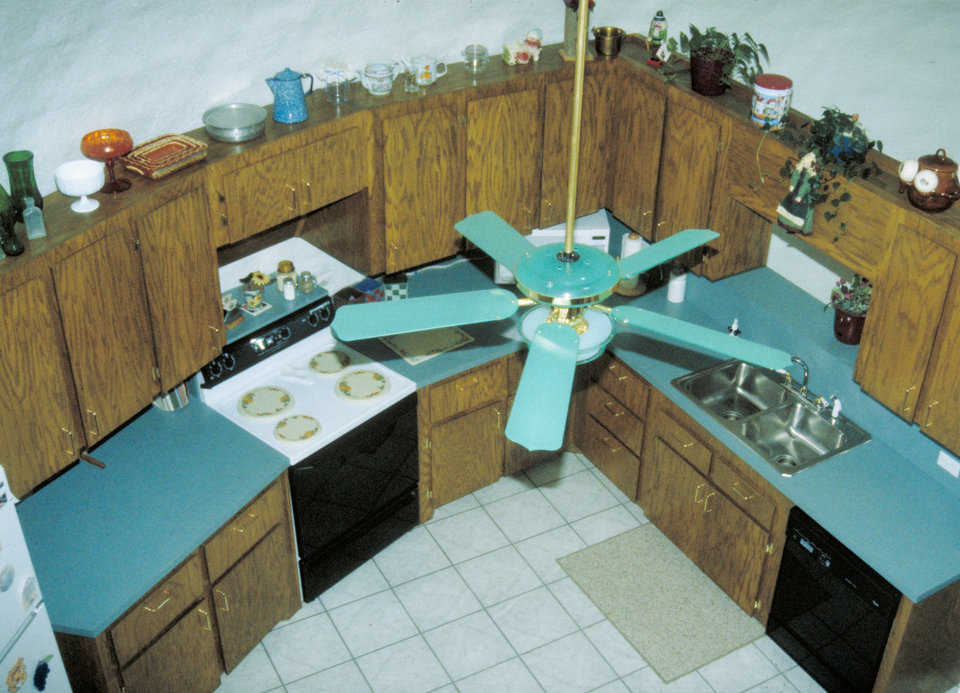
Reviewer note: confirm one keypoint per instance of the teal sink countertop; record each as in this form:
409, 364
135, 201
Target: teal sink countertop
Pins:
886, 500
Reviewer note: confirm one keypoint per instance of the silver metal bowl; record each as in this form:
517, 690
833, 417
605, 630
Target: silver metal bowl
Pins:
235, 122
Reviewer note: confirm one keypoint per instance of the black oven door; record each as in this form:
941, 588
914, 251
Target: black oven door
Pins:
355, 496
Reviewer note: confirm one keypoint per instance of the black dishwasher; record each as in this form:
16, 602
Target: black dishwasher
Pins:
831, 612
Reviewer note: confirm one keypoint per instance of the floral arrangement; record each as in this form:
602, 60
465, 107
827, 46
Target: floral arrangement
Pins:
522, 52
852, 296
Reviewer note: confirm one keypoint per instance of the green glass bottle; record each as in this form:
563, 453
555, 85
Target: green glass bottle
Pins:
22, 181
9, 242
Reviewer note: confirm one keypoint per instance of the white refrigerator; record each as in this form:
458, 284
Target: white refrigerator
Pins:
29, 658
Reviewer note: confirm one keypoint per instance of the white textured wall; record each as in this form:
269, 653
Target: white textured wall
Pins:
154, 67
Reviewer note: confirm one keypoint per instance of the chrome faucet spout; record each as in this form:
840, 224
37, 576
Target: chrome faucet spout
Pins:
805, 372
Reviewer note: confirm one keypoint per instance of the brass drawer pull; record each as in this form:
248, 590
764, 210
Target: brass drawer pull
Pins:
698, 496
163, 602
293, 198
96, 421
473, 381
216, 330
611, 446
687, 445
929, 412
743, 496
242, 528
706, 502
906, 397
226, 602
613, 408
207, 625
613, 369
69, 433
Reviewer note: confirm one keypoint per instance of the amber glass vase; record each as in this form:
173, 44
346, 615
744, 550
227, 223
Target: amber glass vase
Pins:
22, 181
108, 145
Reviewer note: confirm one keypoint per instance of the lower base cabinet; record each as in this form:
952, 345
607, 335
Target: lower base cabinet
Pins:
205, 616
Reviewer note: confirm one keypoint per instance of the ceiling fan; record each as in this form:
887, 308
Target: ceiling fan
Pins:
563, 285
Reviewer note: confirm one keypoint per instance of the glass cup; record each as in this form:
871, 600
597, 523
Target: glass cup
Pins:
338, 91
475, 58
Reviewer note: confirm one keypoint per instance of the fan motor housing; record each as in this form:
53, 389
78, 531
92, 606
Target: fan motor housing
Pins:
546, 276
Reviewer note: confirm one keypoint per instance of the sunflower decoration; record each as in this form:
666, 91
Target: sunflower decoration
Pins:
256, 280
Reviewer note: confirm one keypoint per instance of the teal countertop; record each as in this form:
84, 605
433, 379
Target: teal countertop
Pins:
101, 538
886, 500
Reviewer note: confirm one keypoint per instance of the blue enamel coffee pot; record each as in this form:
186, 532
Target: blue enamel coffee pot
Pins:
289, 104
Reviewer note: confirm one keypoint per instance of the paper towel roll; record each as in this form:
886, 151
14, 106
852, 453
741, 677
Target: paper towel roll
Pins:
677, 287
631, 243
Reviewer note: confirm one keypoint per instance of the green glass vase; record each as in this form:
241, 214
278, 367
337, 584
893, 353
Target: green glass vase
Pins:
9, 242
22, 181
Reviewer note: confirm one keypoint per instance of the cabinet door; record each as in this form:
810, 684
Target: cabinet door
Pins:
107, 327
183, 659
466, 453
939, 408
504, 142
908, 300
638, 132
743, 243
687, 171
180, 270
334, 166
258, 592
593, 171
673, 494
263, 194
423, 186
39, 421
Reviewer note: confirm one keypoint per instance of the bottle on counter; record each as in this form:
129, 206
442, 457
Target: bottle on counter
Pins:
23, 183
33, 219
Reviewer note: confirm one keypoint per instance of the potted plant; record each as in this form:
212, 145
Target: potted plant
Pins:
716, 59
850, 300
840, 145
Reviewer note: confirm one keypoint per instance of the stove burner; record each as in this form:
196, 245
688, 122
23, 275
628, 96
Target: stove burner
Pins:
265, 401
362, 385
296, 428
329, 362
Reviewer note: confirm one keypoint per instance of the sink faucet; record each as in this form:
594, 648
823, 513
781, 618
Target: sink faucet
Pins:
835, 412
805, 374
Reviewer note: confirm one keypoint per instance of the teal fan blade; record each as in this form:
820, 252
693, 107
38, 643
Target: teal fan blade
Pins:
702, 337
539, 414
495, 237
664, 250
379, 318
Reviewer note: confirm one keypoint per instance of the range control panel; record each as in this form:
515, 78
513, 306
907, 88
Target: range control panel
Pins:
252, 349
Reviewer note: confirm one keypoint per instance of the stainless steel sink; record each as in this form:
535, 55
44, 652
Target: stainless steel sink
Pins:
791, 429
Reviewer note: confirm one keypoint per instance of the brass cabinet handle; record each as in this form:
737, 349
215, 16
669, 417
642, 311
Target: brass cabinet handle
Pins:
223, 220
706, 502
613, 369
611, 446
698, 492
242, 528
69, 433
473, 381
163, 602
215, 330
293, 197
613, 408
688, 445
226, 602
929, 411
743, 496
906, 397
96, 432
207, 625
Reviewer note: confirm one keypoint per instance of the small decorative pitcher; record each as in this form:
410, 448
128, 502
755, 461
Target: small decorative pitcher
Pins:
289, 104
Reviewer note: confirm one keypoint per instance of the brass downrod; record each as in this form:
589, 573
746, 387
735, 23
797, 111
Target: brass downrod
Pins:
583, 11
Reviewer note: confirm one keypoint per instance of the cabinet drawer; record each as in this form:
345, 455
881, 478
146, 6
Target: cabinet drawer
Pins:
616, 378
619, 465
679, 437
468, 391
157, 610
247, 528
615, 417
744, 493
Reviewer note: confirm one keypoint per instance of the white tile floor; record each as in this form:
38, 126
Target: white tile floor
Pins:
474, 601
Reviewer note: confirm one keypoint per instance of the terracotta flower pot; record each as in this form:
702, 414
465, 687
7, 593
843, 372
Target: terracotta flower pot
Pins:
706, 76
847, 328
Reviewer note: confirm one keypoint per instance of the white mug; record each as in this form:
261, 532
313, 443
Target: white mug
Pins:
426, 69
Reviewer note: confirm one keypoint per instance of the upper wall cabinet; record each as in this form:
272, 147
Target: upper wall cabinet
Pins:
593, 170
39, 422
422, 183
636, 135
504, 145
293, 176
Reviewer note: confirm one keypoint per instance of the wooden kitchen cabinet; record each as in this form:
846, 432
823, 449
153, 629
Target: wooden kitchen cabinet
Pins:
908, 300
460, 424
103, 307
40, 424
180, 271
205, 616
593, 173
611, 433
504, 145
289, 178
634, 152
423, 159
717, 510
